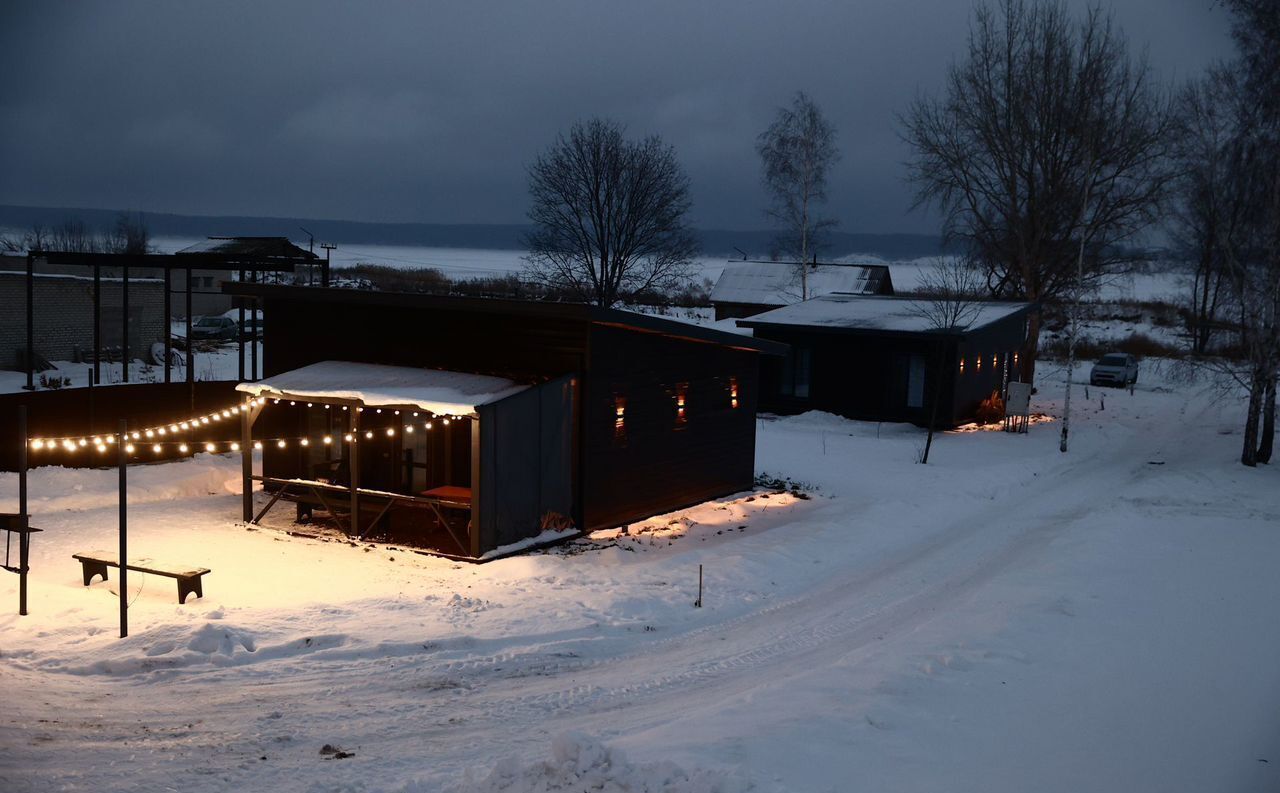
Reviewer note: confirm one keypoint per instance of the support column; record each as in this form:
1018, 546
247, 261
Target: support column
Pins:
354, 463
124, 347
191, 347
240, 336
24, 549
246, 458
31, 328
122, 461
473, 525
168, 322
97, 324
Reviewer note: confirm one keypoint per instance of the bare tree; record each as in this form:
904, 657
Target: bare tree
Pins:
796, 152
608, 215
129, 235
948, 298
1044, 116
1207, 210
72, 235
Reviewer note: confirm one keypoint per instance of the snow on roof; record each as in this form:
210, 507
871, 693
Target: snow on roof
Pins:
865, 312
778, 283
430, 390
250, 247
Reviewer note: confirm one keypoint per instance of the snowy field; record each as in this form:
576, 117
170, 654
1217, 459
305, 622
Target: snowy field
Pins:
1007, 618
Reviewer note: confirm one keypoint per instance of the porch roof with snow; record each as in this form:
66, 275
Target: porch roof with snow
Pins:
874, 314
374, 385
779, 283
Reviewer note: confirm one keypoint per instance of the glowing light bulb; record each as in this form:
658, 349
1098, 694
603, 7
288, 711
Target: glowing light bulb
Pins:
280, 444
257, 444
235, 447
291, 402
184, 425
156, 448
427, 425
390, 431
328, 439
174, 427
83, 442
135, 436
151, 433
305, 442
97, 441
128, 447
208, 447
37, 444
308, 404
101, 448
408, 428
445, 422
205, 419
111, 439
182, 447
160, 431
368, 435
347, 437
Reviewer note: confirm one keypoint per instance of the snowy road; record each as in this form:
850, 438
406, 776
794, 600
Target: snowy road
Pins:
1006, 618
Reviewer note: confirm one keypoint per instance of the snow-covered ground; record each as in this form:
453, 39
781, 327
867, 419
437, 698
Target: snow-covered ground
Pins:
1006, 618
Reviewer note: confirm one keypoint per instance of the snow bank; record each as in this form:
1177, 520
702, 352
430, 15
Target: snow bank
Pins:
581, 763
54, 488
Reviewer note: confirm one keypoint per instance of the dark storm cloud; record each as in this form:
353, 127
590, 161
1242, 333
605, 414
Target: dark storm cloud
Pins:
430, 111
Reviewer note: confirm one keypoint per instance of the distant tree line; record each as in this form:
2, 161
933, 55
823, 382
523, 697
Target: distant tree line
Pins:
129, 234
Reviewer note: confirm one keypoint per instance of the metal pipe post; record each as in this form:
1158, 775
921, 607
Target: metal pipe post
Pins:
24, 539
122, 458
97, 323
168, 322
31, 325
124, 301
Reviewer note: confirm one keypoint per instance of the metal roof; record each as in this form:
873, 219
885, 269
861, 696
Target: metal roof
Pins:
874, 314
257, 248
645, 323
433, 390
779, 283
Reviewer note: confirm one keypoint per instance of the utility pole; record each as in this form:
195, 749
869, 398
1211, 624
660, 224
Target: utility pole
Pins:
328, 247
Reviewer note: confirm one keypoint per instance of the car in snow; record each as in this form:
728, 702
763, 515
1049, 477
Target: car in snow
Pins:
1115, 369
223, 328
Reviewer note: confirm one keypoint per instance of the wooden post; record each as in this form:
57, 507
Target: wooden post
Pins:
240, 334
473, 526
24, 539
246, 459
253, 343
122, 440
168, 321
698, 603
354, 463
124, 310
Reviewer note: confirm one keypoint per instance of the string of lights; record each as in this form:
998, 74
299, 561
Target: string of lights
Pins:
160, 437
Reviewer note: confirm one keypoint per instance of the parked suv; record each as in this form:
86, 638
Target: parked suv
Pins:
1115, 368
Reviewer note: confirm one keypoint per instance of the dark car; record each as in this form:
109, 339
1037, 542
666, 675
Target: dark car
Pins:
1115, 368
223, 328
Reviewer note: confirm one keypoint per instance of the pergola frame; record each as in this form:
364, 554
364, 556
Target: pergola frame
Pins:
186, 262
469, 545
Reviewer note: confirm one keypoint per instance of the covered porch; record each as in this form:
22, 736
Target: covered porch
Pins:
428, 458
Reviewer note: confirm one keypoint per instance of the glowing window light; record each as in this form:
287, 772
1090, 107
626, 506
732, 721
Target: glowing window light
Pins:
182, 447
962, 366
995, 360
977, 364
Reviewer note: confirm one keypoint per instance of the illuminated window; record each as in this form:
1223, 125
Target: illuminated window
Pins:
995, 360
962, 365
681, 396
619, 419
977, 363
733, 393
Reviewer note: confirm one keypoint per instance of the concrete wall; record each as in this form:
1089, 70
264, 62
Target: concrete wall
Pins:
64, 317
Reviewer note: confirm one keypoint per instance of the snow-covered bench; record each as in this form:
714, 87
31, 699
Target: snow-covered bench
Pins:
97, 562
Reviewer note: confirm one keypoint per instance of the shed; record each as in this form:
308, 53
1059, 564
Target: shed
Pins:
881, 359
544, 416
747, 288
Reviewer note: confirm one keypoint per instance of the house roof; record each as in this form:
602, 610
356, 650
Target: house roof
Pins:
866, 313
779, 283
256, 248
374, 385
581, 312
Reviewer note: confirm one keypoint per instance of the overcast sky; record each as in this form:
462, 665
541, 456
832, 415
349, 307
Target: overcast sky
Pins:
429, 111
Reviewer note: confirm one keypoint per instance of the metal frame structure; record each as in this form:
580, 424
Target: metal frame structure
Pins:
250, 266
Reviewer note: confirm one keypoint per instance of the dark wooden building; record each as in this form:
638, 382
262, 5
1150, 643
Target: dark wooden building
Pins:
746, 288
543, 415
879, 358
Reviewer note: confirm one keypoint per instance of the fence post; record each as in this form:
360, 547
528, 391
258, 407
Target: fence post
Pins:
123, 463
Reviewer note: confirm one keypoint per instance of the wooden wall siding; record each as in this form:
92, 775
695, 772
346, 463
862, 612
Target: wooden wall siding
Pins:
864, 376
297, 334
658, 467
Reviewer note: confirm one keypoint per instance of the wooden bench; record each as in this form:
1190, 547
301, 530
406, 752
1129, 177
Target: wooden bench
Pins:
97, 562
